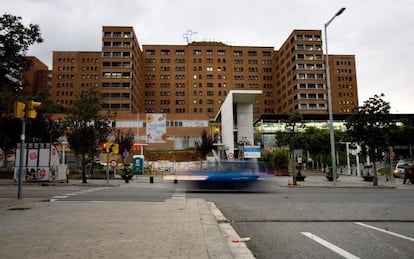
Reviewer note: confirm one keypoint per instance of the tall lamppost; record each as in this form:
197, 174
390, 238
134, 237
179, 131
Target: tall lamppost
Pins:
328, 82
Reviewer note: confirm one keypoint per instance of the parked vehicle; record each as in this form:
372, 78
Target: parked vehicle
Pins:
400, 169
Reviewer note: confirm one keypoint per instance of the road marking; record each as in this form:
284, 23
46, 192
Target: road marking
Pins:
385, 231
329, 245
60, 197
179, 194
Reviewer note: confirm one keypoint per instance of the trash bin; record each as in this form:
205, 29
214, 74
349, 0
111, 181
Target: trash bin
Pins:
151, 179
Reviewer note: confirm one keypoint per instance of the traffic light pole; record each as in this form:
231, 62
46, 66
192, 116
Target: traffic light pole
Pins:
20, 174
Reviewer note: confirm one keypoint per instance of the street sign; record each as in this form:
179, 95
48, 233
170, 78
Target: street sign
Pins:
113, 163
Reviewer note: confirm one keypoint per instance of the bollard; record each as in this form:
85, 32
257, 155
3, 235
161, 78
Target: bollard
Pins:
151, 179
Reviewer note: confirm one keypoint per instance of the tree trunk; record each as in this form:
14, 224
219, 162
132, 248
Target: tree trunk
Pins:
84, 180
374, 167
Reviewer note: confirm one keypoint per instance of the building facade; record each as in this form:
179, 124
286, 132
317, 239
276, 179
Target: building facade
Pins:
74, 72
197, 77
301, 77
37, 79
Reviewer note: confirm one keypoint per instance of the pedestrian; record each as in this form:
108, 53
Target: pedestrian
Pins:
407, 171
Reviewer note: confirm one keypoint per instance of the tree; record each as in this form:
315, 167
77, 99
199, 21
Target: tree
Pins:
206, 144
15, 40
370, 127
125, 141
85, 127
294, 121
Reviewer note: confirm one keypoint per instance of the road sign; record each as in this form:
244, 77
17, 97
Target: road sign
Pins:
231, 155
113, 163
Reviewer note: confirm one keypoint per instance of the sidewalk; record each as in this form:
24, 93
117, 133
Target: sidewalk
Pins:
175, 228
318, 180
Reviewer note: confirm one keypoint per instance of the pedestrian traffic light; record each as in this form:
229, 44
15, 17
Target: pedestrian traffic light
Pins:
31, 107
19, 109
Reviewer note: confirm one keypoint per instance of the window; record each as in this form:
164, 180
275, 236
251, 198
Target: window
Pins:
196, 52
251, 53
165, 52
238, 53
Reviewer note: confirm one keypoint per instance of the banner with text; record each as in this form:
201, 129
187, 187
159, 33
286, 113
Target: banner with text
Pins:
156, 127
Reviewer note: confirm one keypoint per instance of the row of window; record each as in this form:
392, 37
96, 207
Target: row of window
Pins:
64, 93
117, 65
310, 96
209, 52
177, 110
309, 86
311, 106
117, 44
117, 75
308, 47
309, 67
308, 76
117, 34
307, 38
116, 85
307, 57
349, 71
208, 61
182, 93
72, 60
116, 96
126, 54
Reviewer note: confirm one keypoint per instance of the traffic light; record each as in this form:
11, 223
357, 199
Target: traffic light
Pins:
19, 109
111, 148
115, 148
31, 107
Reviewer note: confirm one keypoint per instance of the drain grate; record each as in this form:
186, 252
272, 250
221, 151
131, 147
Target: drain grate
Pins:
20, 208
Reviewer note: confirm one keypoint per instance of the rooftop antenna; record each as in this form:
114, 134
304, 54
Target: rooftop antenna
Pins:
187, 35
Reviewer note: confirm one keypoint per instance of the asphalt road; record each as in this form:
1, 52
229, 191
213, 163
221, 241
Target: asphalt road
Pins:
284, 222
322, 223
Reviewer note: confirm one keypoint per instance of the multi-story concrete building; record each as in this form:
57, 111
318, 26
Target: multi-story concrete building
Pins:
196, 77
191, 82
122, 82
301, 77
74, 72
37, 78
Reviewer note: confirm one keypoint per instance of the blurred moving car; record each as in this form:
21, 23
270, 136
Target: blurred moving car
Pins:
231, 175
400, 169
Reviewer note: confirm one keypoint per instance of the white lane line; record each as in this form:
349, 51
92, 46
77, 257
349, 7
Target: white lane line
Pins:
331, 246
179, 194
385, 231
60, 197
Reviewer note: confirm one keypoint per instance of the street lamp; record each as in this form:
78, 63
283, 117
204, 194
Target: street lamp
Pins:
328, 82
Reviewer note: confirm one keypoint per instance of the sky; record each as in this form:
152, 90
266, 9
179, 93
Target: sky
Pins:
380, 33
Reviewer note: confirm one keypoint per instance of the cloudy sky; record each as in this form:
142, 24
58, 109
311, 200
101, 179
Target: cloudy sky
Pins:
378, 32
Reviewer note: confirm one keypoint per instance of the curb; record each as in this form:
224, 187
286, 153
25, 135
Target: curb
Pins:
238, 249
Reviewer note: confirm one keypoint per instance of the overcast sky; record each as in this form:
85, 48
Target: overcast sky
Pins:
378, 32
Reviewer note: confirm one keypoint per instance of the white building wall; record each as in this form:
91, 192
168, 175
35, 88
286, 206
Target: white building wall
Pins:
244, 122
227, 127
